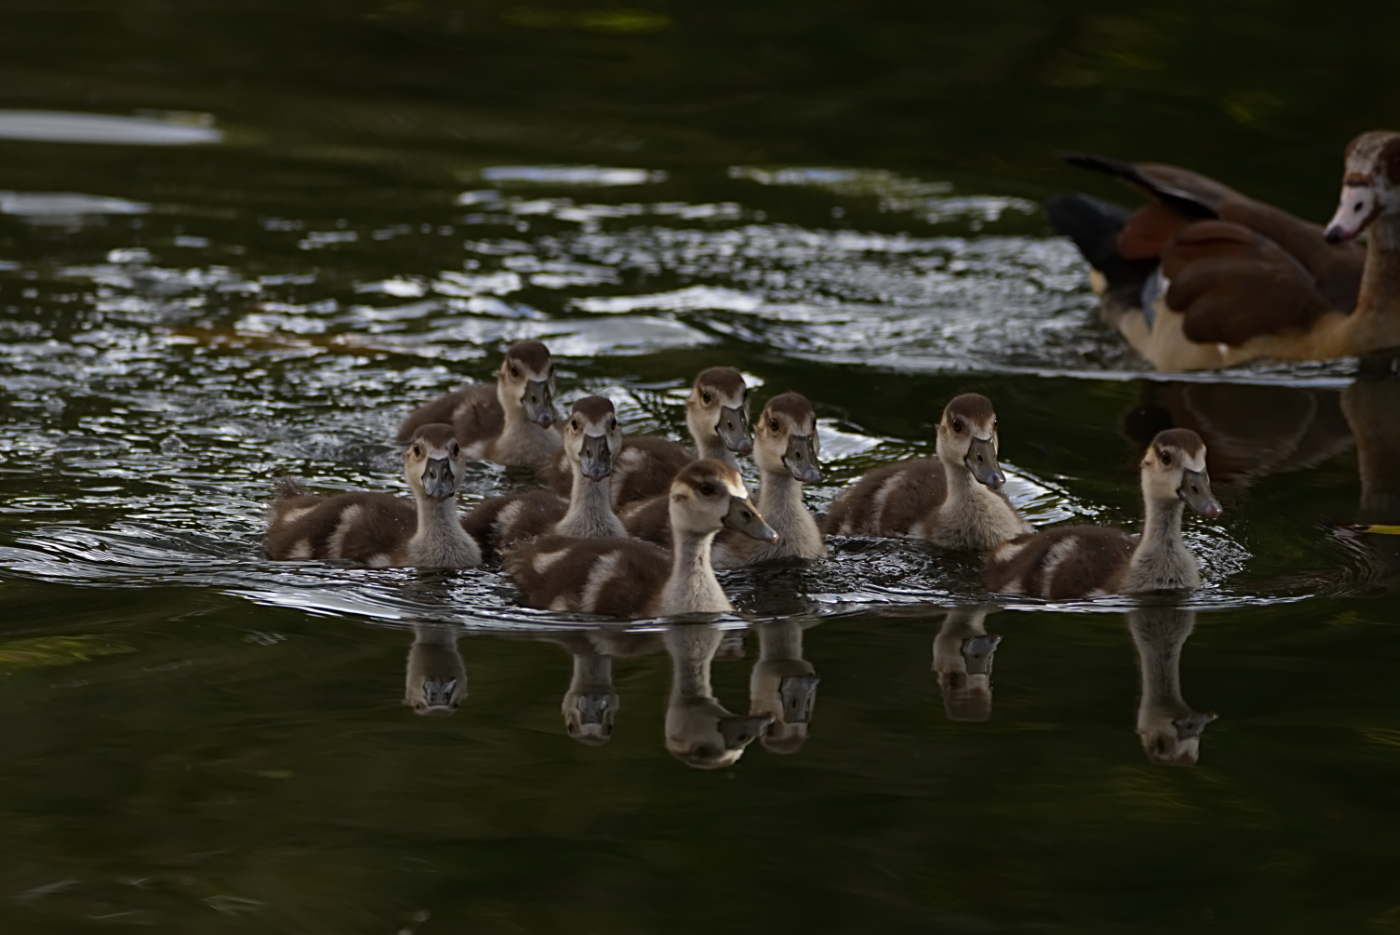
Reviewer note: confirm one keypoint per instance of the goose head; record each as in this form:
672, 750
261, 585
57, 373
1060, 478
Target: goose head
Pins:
592, 436
718, 410
702, 733
967, 439
784, 690
1174, 468
525, 382
589, 715
435, 463
436, 679
1370, 185
1175, 741
707, 495
785, 438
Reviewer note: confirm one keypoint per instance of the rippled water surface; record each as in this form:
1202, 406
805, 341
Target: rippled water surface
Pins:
241, 242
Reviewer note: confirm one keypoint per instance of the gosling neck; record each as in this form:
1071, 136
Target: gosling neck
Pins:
1376, 322
590, 514
710, 445
592, 672
1161, 528
779, 496
439, 538
692, 587
1159, 635
780, 640
692, 649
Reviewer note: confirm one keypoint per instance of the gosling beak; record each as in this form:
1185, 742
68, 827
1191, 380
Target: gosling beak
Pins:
438, 480
744, 517
739, 731
1195, 490
595, 707
1193, 724
733, 428
1358, 209
977, 653
981, 460
799, 694
801, 459
596, 457
539, 403
439, 697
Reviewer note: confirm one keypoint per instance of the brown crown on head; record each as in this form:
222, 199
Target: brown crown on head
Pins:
594, 408
435, 435
1183, 440
1376, 149
725, 380
971, 406
533, 354
707, 470
793, 405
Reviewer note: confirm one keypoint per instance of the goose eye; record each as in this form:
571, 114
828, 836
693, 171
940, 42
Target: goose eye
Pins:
573, 424
705, 398
612, 424
957, 425
417, 450
456, 449
514, 370
1166, 456
773, 424
994, 425
708, 489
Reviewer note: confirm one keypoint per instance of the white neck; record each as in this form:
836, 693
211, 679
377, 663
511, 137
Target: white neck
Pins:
713, 446
590, 514
971, 516
692, 587
1160, 559
780, 503
692, 649
439, 539
1375, 324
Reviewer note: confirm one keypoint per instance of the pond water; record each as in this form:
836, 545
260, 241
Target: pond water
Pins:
240, 242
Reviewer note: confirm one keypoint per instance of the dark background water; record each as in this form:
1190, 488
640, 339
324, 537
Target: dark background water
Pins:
837, 198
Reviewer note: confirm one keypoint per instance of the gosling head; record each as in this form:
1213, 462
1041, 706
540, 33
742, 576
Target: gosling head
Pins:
703, 734
967, 439
526, 382
718, 410
589, 715
1370, 185
1177, 741
435, 464
592, 436
785, 439
786, 691
1174, 468
707, 495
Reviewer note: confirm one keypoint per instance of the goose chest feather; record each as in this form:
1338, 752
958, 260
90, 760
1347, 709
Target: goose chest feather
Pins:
786, 449
378, 529
1068, 562
591, 439
510, 423
629, 578
953, 501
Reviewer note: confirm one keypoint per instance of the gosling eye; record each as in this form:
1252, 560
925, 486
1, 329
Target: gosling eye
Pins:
612, 424
1165, 456
708, 489
957, 425
514, 370
773, 424
550, 375
417, 450
705, 398
456, 449
573, 424
994, 425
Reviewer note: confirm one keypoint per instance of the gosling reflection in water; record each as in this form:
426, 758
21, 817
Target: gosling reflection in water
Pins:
591, 703
436, 681
700, 731
783, 685
1170, 730
962, 660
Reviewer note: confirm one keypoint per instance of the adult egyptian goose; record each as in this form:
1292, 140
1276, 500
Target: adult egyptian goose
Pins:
954, 500
591, 439
716, 412
700, 731
786, 447
629, 578
962, 661
1068, 562
509, 423
378, 529
1169, 728
1206, 277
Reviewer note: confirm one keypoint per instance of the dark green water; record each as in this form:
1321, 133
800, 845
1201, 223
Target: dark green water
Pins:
332, 211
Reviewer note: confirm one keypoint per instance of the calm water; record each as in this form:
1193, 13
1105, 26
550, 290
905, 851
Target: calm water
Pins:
241, 242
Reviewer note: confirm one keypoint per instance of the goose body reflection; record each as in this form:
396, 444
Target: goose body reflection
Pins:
378, 529
1206, 277
962, 660
717, 415
509, 423
629, 578
1170, 730
786, 449
700, 731
436, 679
1070, 562
591, 441
783, 685
953, 501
